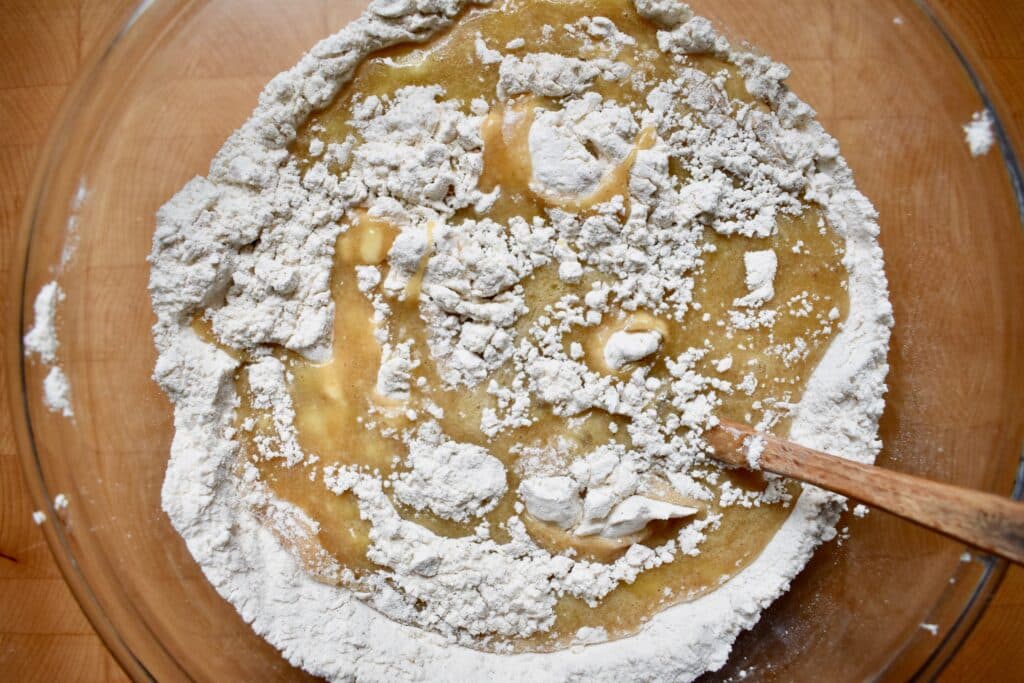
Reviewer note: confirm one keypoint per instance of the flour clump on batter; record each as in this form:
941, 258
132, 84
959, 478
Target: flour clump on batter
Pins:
447, 321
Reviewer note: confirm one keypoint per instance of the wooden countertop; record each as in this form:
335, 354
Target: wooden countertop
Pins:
43, 43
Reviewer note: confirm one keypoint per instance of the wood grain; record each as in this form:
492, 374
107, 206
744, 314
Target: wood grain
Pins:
984, 520
43, 633
43, 45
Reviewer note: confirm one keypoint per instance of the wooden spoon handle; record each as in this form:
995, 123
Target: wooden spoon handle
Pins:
984, 520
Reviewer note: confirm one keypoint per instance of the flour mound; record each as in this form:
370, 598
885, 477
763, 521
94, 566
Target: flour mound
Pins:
250, 248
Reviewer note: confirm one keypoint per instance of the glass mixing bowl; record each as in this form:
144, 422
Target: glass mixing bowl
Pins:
180, 76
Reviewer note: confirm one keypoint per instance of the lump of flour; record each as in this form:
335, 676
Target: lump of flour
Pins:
453, 480
552, 499
625, 347
393, 377
603, 497
420, 150
761, 267
572, 149
471, 296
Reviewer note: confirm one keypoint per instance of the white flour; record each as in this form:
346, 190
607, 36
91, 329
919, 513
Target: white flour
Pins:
57, 392
42, 341
761, 267
42, 338
252, 245
453, 480
623, 347
978, 133
600, 498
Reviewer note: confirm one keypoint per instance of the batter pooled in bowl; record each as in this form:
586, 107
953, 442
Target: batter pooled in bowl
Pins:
447, 321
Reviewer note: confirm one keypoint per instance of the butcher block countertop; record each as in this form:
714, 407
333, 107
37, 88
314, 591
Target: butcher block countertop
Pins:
44, 635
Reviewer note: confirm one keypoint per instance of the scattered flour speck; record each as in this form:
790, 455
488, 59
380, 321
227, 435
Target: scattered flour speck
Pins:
979, 133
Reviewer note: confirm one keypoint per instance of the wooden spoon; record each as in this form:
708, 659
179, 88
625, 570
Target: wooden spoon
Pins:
984, 520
